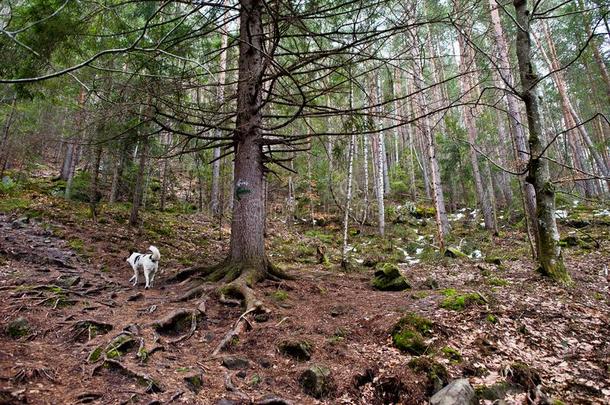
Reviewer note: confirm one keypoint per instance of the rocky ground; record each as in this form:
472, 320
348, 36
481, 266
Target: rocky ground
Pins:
75, 331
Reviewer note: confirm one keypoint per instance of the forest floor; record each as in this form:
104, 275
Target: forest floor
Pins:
87, 336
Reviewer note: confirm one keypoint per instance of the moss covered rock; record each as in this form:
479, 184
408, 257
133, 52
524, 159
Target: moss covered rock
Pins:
297, 349
458, 302
408, 335
436, 374
388, 278
454, 253
317, 381
18, 327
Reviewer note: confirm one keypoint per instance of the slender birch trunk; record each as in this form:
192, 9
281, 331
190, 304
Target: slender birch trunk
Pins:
481, 187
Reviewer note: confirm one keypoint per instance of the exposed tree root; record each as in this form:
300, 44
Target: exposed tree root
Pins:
231, 388
176, 323
151, 384
239, 279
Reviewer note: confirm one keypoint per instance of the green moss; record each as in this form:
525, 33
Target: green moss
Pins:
497, 282
297, 349
321, 236
255, 380
95, 354
458, 302
437, 375
119, 346
388, 278
452, 354
280, 295
491, 318
17, 328
408, 334
77, 245
455, 253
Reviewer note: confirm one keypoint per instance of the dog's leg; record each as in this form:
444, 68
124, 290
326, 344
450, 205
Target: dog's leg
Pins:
147, 277
152, 277
135, 277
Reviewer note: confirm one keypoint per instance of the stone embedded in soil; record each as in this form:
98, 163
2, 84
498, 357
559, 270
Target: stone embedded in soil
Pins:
67, 281
297, 349
235, 362
454, 252
317, 381
523, 375
18, 327
388, 278
436, 374
135, 297
458, 392
408, 334
225, 401
194, 382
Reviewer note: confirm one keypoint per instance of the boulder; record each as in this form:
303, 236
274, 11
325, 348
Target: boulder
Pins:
458, 392
388, 278
235, 363
18, 327
297, 349
317, 381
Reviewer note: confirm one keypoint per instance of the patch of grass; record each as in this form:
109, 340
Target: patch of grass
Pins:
255, 380
321, 236
77, 245
419, 294
280, 295
452, 354
12, 204
497, 282
491, 318
183, 369
458, 302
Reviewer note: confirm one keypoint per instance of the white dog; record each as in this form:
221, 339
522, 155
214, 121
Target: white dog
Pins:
149, 264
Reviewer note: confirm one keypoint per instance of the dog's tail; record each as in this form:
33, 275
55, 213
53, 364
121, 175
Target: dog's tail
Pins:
155, 253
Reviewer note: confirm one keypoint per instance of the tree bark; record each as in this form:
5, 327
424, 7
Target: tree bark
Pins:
481, 187
550, 258
139, 187
520, 146
220, 98
5, 135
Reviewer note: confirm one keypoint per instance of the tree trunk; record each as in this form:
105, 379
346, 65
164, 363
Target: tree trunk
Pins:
520, 146
350, 171
4, 150
481, 187
571, 117
94, 194
139, 187
117, 173
550, 258
220, 98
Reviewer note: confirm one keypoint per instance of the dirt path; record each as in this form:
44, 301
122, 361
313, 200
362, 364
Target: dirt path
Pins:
72, 306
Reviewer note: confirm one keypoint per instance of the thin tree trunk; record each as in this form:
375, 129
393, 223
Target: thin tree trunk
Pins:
571, 116
481, 187
365, 152
220, 98
75, 150
94, 194
520, 146
139, 187
350, 171
550, 258
4, 150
